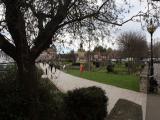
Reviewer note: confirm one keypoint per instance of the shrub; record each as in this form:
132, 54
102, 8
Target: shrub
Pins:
97, 64
142, 66
110, 68
86, 104
126, 64
50, 101
9, 73
134, 67
76, 64
12, 102
86, 66
9, 95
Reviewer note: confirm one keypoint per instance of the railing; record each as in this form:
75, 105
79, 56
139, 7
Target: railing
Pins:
4, 67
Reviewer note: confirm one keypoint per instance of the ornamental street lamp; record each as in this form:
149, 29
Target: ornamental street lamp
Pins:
151, 27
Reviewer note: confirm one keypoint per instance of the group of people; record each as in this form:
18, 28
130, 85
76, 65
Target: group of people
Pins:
52, 66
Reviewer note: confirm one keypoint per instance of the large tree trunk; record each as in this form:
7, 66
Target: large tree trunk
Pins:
28, 81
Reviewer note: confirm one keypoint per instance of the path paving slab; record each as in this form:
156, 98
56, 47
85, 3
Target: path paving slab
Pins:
125, 110
153, 99
153, 107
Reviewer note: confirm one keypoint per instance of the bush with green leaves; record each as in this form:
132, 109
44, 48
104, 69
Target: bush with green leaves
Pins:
85, 104
134, 67
12, 101
110, 68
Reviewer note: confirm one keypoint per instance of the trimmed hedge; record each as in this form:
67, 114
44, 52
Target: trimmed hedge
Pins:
110, 68
76, 64
12, 103
85, 104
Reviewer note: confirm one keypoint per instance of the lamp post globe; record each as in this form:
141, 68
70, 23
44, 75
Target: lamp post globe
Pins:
152, 25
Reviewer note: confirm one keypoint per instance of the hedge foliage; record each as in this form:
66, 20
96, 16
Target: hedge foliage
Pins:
80, 104
12, 102
86, 104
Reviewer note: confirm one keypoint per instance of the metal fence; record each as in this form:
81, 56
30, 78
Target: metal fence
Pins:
4, 67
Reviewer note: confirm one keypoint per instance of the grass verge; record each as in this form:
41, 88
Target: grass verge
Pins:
127, 81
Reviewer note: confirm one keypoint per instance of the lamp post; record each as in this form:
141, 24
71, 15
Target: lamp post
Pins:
151, 27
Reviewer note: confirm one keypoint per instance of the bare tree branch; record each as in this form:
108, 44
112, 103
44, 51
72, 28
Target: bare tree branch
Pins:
16, 24
79, 19
50, 30
120, 24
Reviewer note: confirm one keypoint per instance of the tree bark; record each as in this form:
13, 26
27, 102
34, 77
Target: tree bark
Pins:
28, 81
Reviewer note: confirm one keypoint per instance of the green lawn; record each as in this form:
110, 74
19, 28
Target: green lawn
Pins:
122, 80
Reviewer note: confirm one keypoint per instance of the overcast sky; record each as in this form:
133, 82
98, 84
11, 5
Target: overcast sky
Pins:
135, 26
129, 26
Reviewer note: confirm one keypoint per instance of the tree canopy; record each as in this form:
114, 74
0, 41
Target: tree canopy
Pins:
133, 44
99, 49
30, 26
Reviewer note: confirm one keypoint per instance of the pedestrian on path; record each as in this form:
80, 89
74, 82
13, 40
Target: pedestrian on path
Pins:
46, 71
81, 68
64, 66
55, 68
51, 64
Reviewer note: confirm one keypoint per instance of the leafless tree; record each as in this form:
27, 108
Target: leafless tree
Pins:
133, 45
156, 50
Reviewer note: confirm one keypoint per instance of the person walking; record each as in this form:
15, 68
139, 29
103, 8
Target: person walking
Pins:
51, 64
81, 68
55, 67
46, 71
64, 66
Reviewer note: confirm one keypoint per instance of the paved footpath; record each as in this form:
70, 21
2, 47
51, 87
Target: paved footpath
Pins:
66, 82
153, 100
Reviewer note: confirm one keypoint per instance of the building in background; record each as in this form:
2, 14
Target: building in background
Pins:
47, 55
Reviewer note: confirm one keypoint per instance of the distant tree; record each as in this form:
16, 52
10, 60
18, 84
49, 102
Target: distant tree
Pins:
109, 51
133, 45
156, 50
73, 56
100, 49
